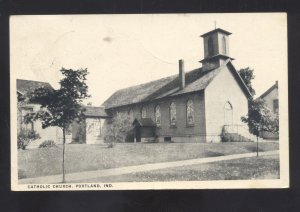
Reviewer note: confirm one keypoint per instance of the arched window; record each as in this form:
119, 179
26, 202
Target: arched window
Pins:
173, 114
228, 113
157, 116
144, 112
190, 112
224, 45
210, 46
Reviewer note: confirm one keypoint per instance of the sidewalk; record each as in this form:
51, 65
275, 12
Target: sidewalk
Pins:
88, 175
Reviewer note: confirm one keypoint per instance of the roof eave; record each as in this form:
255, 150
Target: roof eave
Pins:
215, 57
267, 91
216, 30
245, 88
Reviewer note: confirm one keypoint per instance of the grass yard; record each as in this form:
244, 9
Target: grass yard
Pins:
82, 157
263, 167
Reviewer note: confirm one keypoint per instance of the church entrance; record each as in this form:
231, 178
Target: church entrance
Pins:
138, 134
143, 128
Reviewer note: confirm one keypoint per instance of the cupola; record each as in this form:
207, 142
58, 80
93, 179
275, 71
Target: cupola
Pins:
216, 48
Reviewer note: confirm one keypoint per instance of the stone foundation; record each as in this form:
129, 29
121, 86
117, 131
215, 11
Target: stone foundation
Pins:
184, 139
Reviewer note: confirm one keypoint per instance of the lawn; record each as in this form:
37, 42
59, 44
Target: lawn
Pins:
263, 167
82, 157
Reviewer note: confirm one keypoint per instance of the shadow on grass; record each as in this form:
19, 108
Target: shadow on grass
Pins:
253, 149
212, 154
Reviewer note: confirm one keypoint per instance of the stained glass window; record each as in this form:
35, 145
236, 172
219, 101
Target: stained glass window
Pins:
144, 112
173, 114
190, 112
157, 116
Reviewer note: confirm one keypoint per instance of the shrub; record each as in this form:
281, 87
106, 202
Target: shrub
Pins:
47, 144
118, 129
224, 136
25, 136
110, 145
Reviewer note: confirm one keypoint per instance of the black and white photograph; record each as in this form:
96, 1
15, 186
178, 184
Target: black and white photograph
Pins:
149, 101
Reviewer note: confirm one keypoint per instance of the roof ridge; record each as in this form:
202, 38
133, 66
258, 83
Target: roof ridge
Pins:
147, 82
34, 81
268, 91
174, 75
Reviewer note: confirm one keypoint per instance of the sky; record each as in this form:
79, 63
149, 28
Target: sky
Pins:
125, 50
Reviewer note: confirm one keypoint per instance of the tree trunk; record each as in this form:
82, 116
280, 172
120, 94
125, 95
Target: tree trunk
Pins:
63, 159
256, 146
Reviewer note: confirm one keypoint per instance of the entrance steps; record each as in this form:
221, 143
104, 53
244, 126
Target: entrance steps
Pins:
239, 133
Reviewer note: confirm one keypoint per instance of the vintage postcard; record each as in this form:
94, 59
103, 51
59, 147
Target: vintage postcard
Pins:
149, 101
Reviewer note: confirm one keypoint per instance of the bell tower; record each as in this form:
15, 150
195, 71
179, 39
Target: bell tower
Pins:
216, 48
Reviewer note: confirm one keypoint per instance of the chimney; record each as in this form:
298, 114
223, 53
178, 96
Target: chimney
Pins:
276, 83
181, 74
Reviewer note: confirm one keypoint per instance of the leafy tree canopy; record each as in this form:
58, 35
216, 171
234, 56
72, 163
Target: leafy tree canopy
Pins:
61, 107
247, 76
260, 118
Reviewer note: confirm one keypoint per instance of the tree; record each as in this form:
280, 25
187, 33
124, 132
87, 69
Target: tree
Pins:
260, 119
119, 128
247, 76
62, 106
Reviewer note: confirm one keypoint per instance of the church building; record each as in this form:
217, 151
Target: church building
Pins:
192, 106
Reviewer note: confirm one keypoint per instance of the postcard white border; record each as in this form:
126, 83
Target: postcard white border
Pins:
283, 182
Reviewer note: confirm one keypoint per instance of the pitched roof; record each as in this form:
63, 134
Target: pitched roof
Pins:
216, 30
144, 122
275, 86
91, 111
26, 86
195, 80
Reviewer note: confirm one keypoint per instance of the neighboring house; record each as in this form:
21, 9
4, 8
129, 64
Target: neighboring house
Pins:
89, 132
189, 107
94, 123
271, 99
25, 107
